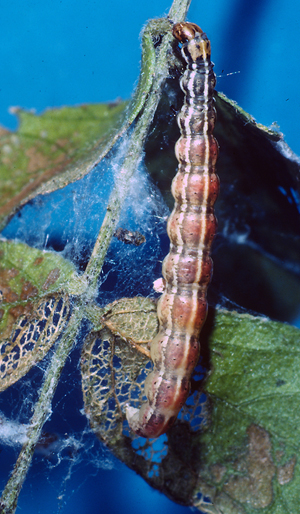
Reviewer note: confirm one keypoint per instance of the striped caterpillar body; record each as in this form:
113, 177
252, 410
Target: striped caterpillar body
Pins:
191, 228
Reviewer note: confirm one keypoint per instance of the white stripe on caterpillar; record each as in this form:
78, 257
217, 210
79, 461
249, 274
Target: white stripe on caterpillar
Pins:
191, 228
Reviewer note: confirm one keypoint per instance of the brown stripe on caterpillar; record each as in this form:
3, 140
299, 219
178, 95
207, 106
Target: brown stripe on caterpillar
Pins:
191, 227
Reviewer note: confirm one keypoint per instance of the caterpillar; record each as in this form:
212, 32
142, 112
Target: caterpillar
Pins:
191, 227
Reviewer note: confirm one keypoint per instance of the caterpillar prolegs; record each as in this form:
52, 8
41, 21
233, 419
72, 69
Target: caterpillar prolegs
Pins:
191, 228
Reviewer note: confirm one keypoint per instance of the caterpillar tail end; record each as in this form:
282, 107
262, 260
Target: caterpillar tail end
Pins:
133, 416
146, 423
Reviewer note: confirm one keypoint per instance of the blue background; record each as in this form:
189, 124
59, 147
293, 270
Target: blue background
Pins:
67, 52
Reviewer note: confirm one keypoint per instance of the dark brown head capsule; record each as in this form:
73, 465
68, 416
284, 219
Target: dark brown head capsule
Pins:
195, 43
186, 31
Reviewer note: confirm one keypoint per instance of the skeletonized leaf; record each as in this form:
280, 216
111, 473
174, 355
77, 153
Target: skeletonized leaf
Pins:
34, 307
133, 319
27, 274
234, 450
31, 337
105, 364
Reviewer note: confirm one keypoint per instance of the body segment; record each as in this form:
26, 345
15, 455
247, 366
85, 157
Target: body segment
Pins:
191, 228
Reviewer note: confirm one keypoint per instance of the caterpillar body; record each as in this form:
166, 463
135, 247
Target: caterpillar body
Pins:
191, 228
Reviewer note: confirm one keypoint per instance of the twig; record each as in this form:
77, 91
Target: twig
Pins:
42, 410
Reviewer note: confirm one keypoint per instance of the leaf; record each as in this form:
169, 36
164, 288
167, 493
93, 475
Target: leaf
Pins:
127, 325
258, 208
146, 74
62, 145
235, 451
35, 331
26, 274
254, 433
133, 319
51, 150
34, 308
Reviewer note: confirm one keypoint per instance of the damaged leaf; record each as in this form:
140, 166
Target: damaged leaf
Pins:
33, 334
235, 448
26, 275
35, 306
133, 319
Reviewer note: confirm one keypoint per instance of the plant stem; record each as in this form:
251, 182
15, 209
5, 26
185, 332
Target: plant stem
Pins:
42, 410
178, 10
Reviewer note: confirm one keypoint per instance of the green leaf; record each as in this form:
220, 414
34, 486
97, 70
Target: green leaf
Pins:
243, 455
27, 274
253, 441
35, 306
62, 145
51, 150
